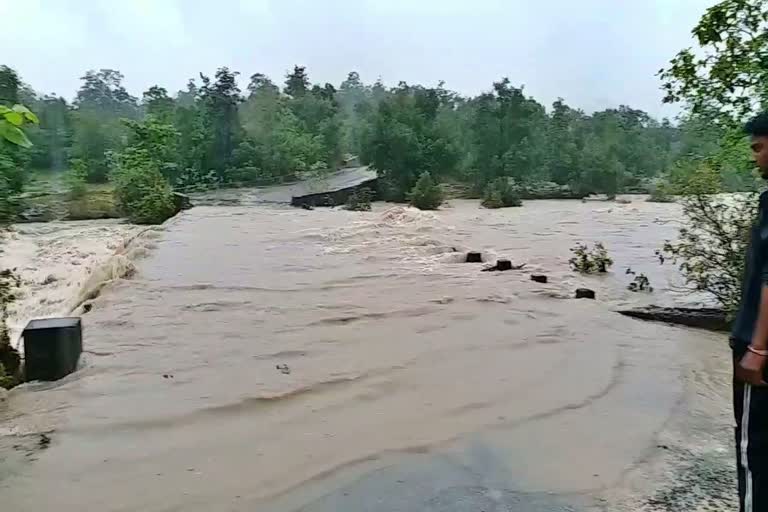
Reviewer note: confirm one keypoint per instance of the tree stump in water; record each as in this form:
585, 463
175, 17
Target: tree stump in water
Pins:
585, 293
502, 265
474, 257
539, 278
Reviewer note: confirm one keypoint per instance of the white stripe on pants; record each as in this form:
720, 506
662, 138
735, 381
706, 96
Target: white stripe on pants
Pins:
744, 445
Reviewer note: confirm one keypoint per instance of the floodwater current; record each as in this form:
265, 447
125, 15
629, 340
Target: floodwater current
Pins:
251, 356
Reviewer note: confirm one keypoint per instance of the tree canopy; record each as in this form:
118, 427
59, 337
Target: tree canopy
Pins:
267, 134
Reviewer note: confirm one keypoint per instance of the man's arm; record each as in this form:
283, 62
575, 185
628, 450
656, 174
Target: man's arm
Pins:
753, 363
760, 336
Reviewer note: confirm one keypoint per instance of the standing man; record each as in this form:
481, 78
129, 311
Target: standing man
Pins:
750, 348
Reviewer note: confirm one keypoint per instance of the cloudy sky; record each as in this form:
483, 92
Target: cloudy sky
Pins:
594, 53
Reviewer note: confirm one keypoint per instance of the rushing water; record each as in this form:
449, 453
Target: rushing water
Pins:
260, 352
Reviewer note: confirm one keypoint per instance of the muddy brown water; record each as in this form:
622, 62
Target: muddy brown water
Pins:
388, 345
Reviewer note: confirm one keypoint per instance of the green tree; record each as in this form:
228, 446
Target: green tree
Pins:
563, 144
218, 125
724, 80
426, 195
405, 139
297, 82
10, 84
14, 145
13, 120
721, 87
509, 133
101, 103
157, 103
500, 193
141, 191
52, 138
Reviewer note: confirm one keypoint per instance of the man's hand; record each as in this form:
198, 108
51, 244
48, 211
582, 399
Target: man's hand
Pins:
750, 369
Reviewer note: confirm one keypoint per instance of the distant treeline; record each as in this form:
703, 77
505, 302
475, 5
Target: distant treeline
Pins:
213, 134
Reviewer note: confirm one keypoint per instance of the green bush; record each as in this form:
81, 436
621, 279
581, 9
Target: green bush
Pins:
426, 195
501, 194
193, 180
660, 193
711, 244
75, 180
359, 200
640, 283
588, 261
143, 194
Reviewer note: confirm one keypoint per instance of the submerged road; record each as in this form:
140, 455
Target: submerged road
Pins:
410, 380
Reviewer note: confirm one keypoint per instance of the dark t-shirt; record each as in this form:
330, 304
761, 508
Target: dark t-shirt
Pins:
755, 275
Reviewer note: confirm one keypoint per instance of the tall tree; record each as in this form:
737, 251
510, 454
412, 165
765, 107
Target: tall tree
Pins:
157, 103
725, 78
219, 102
101, 103
9, 86
52, 139
297, 82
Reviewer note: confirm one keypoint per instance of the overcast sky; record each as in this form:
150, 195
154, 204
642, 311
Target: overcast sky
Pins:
593, 53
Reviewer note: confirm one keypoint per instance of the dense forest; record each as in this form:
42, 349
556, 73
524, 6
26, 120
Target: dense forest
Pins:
215, 134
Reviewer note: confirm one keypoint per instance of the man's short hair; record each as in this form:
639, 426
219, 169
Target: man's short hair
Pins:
757, 126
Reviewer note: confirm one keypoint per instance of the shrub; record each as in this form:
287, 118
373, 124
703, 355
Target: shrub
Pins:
426, 195
660, 193
640, 283
501, 194
143, 195
359, 200
711, 246
193, 180
588, 261
75, 180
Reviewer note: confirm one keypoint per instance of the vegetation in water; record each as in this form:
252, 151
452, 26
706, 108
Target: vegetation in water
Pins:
590, 261
500, 193
660, 192
359, 200
426, 195
141, 189
640, 282
711, 245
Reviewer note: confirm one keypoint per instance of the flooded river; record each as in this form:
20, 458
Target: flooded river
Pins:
265, 358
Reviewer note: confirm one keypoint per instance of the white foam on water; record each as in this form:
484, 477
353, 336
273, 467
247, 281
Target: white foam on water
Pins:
63, 264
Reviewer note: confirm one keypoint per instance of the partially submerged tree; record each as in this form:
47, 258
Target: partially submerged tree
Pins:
426, 195
142, 193
723, 83
590, 261
500, 193
711, 246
